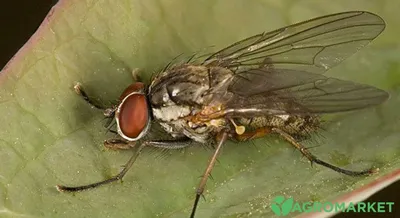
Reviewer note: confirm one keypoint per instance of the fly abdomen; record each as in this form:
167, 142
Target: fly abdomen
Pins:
295, 125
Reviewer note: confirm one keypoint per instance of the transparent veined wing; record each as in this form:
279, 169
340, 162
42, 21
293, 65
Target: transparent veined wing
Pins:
280, 72
314, 45
296, 92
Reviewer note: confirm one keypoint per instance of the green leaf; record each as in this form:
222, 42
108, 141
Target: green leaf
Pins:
51, 136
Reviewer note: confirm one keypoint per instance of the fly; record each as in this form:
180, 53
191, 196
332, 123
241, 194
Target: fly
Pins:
270, 83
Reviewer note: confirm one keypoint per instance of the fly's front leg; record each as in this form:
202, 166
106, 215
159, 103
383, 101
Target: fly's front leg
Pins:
108, 112
119, 144
170, 144
314, 159
81, 92
136, 75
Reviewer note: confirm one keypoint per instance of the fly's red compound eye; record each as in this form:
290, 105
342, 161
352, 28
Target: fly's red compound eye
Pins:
133, 113
134, 87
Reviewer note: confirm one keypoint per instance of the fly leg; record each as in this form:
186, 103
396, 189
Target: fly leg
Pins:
221, 138
108, 112
314, 159
81, 92
119, 144
119, 176
178, 143
122, 144
136, 75
170, 144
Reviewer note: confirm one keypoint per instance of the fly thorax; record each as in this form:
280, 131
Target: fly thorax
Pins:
183, 85
185, 90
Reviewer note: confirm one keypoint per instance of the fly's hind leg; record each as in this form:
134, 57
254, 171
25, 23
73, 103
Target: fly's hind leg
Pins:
314, 159
169, 144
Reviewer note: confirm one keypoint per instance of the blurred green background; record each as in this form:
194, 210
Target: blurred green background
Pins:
20, 19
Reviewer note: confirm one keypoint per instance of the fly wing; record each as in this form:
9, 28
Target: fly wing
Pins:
280, 72
296, 92
315, 45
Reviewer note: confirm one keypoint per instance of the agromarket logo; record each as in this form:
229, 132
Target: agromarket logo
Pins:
282, 206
